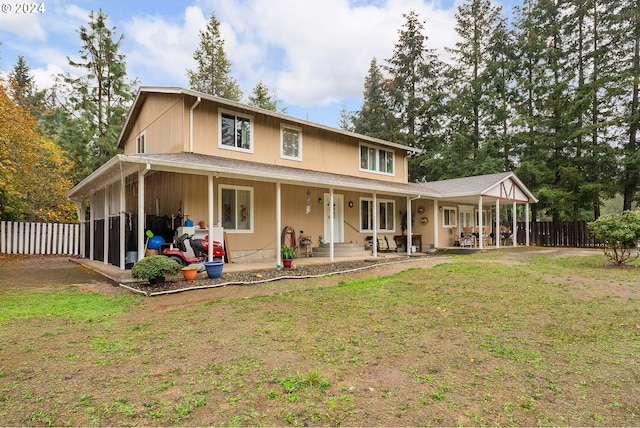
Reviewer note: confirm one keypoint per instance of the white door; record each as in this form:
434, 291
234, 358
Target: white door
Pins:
338, 218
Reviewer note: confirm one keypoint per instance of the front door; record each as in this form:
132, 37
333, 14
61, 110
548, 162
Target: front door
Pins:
338, 218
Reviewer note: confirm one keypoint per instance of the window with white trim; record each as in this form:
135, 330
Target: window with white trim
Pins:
375, 159
236, 131
141, 143
449, 216
236, 208
290, 142
386, 215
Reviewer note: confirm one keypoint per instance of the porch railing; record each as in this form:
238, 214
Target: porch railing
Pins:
39, 238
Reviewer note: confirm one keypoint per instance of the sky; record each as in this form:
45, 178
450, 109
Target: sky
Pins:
313, 54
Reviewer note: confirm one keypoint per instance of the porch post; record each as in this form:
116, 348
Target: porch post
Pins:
92, 227
480, 223
515, 224
210, 215
278, 223
122, 223
526, 219
436, 222
105, 231
496, 232
141, 231
408, 243
374, 219
331, 220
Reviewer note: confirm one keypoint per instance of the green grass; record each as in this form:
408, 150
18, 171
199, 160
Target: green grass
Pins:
501, 338
71, 305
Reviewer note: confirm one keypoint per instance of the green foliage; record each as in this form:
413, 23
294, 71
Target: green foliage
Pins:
620, 233
98, 100
287, 252
262, 98
155, 267
213, 73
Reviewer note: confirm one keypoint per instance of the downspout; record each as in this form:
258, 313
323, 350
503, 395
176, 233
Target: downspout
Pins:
191, 109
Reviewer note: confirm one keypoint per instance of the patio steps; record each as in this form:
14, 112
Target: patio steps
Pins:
341, 249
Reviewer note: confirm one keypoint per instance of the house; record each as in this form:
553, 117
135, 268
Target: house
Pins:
261, 179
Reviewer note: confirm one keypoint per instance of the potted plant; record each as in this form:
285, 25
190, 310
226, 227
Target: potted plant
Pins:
288, 254
190, 272
155, 268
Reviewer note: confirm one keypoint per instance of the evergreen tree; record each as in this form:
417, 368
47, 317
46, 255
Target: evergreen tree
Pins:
346, 120
213, 73
375, 118
97, 102
23, 89
262, 98
480, 80
416, 95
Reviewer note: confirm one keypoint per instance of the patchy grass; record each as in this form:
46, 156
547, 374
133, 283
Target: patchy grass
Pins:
501, 338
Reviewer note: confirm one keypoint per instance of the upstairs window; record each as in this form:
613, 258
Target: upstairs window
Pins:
376, 159
140, 143
235, 132
290, 142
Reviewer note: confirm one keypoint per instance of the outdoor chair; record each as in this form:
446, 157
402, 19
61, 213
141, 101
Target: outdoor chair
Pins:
391, 244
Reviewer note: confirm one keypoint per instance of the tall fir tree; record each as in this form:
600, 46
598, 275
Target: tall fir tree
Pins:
263, 98
416, 93
375, 118
213, 73
97, 102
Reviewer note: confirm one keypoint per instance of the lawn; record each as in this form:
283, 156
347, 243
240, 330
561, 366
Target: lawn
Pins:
507, 337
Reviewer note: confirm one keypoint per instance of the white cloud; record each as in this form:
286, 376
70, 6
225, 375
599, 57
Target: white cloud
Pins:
162, 47
13, 19
325, 47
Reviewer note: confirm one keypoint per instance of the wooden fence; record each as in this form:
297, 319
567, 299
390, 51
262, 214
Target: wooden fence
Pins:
563, 234
39, 238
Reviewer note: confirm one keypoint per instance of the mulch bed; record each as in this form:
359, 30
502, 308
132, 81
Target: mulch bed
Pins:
176, 284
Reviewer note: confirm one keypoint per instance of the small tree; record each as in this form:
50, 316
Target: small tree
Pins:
620, 234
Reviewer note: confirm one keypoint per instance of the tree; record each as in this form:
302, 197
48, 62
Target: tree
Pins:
33, 169
416, 94
262, 98
213, 73
98, 100
375, 118
23, 89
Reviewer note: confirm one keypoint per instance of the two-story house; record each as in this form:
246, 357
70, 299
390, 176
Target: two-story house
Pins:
258, 175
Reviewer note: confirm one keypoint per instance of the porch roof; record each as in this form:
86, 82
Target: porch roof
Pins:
198, 164
503, 185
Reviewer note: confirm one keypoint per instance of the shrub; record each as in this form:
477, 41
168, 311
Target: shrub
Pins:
620, 234
155, 267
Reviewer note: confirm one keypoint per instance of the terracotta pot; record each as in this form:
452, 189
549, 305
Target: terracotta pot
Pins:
287, 263
189, 274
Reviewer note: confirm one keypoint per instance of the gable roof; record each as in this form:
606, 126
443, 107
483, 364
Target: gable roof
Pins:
503, 185
145, 91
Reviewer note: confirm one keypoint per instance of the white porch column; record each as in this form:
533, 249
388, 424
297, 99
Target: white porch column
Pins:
92, 227
374, 219
105, 231
408, 243
123, 221
526, 219
141, 231
331, 221
480, 223
210, 215
496, 232
278, 223
515, 223
436, 222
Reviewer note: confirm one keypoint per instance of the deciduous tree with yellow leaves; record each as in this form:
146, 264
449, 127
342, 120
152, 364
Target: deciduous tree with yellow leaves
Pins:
33, 170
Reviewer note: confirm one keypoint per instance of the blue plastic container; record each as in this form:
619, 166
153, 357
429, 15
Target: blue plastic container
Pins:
154, 242
214, 269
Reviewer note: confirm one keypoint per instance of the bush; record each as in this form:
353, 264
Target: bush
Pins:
155, 267
620, 234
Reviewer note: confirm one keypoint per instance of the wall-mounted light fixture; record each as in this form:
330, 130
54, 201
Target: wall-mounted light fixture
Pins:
319, 200
350, 204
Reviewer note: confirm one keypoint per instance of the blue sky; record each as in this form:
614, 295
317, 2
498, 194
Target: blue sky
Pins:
313, 54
